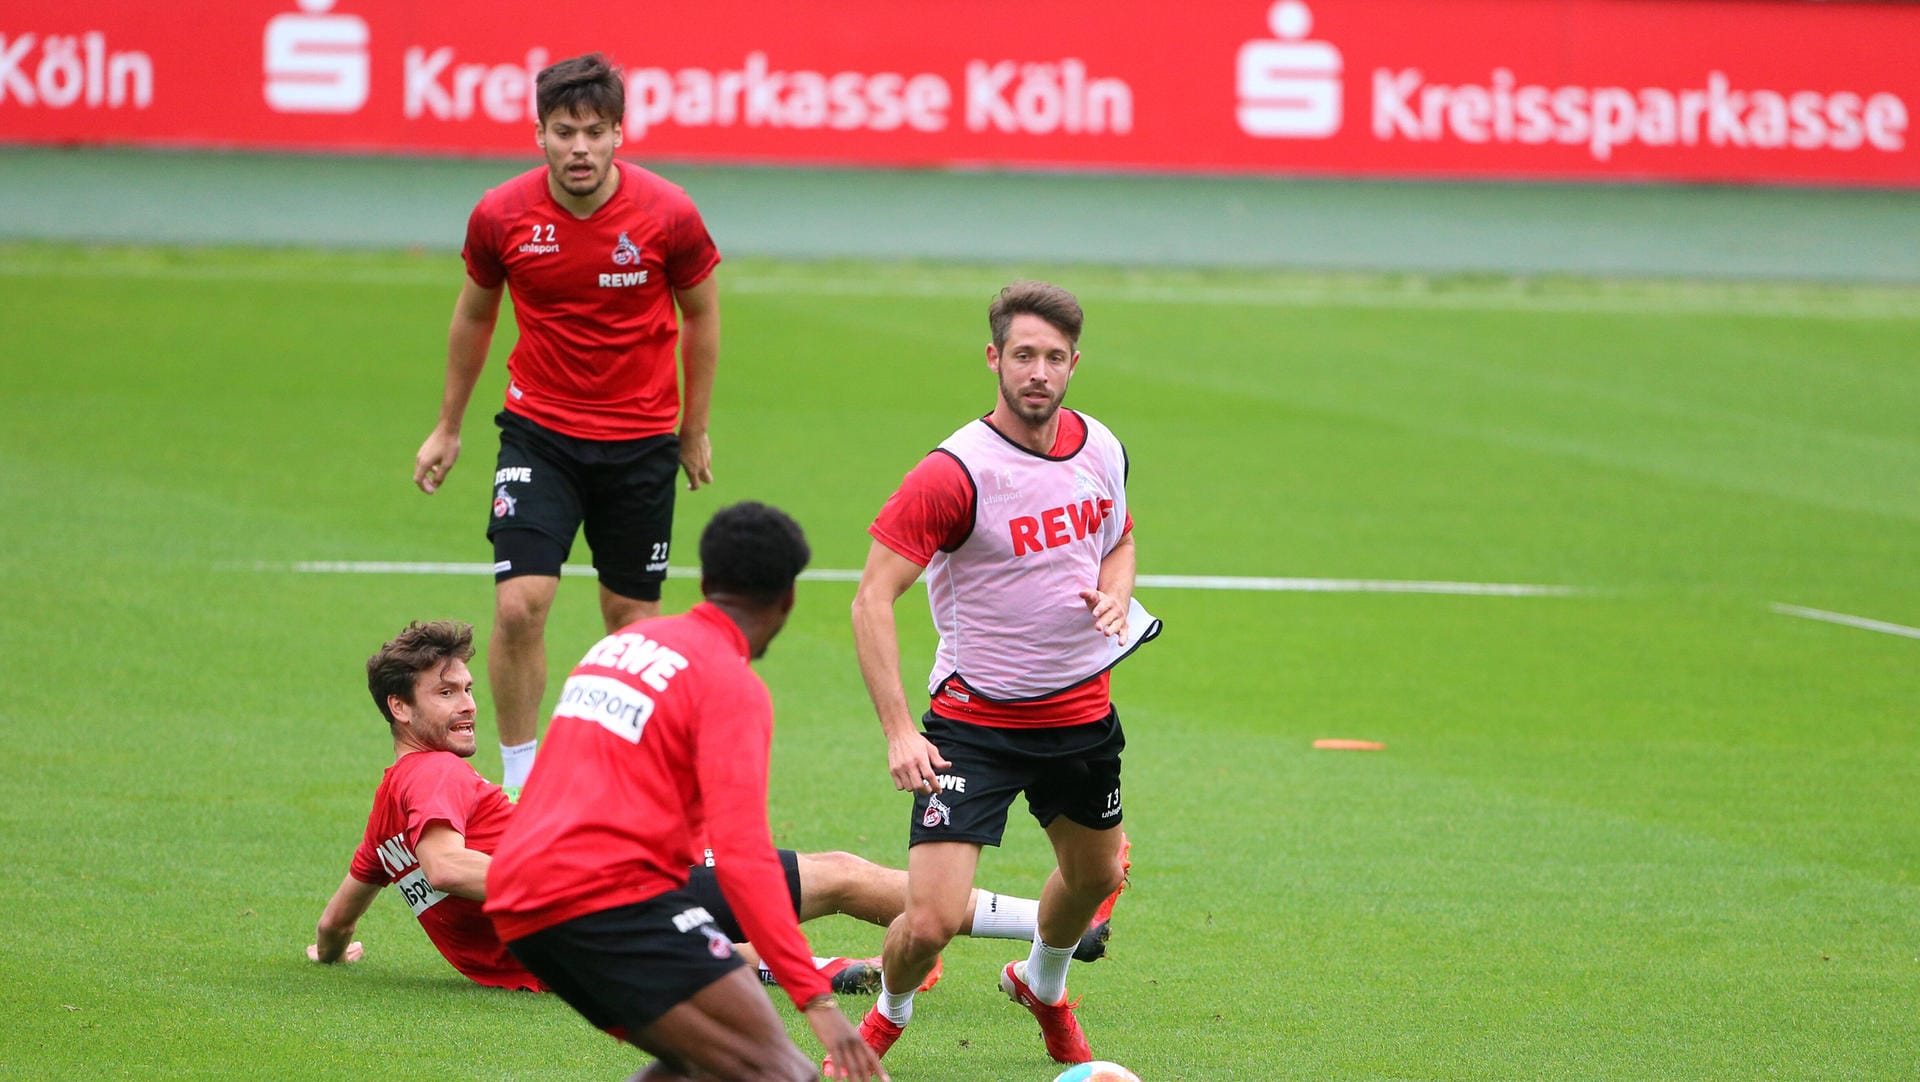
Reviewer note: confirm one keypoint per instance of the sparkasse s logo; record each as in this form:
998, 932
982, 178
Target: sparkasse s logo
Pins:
316, 62
1289, 87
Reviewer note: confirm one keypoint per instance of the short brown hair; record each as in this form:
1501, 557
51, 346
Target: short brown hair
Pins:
1048, 301
581, 85
422, 646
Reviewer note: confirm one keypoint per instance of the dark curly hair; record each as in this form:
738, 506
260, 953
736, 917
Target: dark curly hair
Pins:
581, 86
753, 550
421, 647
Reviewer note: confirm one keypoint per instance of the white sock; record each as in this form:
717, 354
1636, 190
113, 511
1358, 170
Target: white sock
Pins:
898, 1009
516, 762
1047, 971
1002, 916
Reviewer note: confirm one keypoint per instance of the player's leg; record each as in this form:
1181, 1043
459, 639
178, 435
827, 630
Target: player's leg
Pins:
646, 975
1087, 872
1076, 798
628, 499
617, 610
939, 886
727, 1030
517, 650
534, 515
840, 882
1078, 803
847, 976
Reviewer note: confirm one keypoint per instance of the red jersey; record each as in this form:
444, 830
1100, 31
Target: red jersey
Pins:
933, 510
421, 788
593, 299
661, 738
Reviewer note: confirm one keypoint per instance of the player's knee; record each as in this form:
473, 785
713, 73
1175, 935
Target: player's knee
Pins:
838, 871
519, 613
1096, 881
929, 931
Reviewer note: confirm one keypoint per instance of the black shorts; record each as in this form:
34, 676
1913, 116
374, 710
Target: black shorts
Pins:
1072, 771
704, 886
622, 968
545, 485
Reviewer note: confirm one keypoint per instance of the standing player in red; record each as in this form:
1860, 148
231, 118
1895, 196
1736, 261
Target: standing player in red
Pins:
661, 737
1020, 522
598, 254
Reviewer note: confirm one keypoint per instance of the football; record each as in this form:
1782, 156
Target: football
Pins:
1097, 1071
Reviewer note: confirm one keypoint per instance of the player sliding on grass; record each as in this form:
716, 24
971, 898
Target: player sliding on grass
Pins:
1020, 522
435, 822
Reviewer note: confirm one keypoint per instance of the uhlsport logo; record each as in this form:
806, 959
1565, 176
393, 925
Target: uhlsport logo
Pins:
1289, 87
316, 62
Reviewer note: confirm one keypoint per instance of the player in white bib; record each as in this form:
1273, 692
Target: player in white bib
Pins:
1020, 522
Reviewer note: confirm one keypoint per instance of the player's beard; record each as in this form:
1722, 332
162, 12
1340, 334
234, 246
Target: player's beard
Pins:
1030, 414
595, 178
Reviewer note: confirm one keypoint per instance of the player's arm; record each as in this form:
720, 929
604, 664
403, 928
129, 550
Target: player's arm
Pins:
450, 867
699, 359
1109, 602
731, 760
911, 760
333, 938
468, 338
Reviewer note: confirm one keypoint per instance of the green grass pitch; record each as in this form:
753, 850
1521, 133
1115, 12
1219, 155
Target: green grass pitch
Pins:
1647, 828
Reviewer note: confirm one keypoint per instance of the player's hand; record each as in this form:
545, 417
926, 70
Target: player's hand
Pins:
915, 764
436, 459
353, 953
1109, 613
696, 458
847, 1055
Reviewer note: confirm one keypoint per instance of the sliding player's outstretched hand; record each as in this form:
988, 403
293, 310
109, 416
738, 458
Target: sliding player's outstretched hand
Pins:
353, 953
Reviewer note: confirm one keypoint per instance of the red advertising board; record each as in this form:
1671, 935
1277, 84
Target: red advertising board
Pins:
1781, 91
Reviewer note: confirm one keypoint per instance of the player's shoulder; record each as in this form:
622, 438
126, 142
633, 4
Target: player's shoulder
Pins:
646, 180
652, 192
515, 195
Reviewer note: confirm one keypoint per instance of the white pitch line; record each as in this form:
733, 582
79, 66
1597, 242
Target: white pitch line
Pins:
1300, 290
1170, 582
1844, 620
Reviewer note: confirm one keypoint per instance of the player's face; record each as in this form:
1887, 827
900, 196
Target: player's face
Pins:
440, 718
579, 149
1034, 368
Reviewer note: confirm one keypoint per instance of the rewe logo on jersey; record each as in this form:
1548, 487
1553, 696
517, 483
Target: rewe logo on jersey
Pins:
625, 254
1289, 88
316, 62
